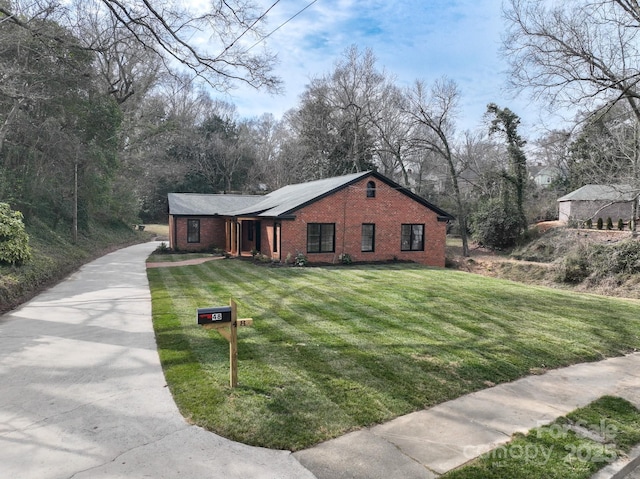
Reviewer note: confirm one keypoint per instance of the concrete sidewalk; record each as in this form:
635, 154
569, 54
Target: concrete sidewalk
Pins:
82, 393
428, 443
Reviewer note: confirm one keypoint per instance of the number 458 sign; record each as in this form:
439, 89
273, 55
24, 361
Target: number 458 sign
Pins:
225, 320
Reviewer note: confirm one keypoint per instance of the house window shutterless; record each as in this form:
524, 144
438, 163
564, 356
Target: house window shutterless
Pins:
412, 237
321, 237
193, 231
371, 189
368, 237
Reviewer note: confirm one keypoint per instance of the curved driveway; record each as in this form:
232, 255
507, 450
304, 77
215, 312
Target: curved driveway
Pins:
82, 394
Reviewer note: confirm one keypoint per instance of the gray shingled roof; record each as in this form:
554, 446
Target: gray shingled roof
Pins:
208, 205
602, 193
292, 197
279, 203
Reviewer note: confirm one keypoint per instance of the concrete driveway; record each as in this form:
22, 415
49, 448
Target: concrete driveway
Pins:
82, 394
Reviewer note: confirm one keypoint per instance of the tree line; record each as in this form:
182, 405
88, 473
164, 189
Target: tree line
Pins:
106, 106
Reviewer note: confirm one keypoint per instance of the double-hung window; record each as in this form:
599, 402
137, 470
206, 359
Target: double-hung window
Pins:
321, 237
368, 237
193, 231
412, 237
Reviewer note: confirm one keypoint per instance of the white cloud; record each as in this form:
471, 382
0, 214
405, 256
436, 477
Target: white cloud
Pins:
411, 39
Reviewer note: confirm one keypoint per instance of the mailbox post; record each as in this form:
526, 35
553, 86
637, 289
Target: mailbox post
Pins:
233, 346
225, 320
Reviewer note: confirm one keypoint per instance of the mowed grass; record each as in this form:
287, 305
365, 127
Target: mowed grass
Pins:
563, 449
334, 349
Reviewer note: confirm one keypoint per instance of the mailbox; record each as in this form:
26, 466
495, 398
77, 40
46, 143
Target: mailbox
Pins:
220, 314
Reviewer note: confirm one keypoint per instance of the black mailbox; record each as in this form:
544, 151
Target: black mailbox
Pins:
220, 314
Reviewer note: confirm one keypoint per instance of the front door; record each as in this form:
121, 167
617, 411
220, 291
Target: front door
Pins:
258, 235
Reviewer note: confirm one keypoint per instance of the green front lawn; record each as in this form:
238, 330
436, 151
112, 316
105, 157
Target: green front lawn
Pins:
337, 348
572, 447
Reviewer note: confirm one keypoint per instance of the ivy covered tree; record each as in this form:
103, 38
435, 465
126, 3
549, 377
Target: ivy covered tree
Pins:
506, 122
495, 225
14, 240
511, 221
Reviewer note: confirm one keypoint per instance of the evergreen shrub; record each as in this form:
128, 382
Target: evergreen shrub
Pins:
14, 240
609, 223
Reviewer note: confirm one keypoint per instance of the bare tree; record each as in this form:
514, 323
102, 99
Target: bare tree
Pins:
435, 110
267, 140
215, 45
314, 126
355, 85
480, 160
392, 129
124, 66
585, 52
580, 52
335, 120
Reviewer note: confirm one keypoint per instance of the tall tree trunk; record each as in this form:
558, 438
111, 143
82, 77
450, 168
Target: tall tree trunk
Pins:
461, 213
75, 201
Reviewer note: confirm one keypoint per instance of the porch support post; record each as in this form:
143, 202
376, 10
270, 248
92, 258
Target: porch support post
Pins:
239, 238
234, 232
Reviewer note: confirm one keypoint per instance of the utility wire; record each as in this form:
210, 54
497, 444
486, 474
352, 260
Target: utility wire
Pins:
249, 28
280, 26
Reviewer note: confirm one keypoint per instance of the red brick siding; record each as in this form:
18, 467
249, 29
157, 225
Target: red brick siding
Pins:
212, 233
172, 235
350, 208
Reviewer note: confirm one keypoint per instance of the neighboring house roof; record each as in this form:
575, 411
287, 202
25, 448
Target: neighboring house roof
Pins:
280, 203
208, 205
616, 193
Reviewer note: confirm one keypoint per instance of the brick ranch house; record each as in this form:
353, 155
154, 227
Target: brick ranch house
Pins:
365, 215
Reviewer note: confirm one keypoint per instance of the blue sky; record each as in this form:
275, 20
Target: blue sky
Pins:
411, 39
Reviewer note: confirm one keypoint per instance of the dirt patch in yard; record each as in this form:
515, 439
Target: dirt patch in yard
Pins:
539, 262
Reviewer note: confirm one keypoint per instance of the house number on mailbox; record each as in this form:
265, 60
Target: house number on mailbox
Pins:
225, 320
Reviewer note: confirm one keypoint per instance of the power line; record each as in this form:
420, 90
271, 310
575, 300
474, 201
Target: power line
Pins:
280, 26
248, 29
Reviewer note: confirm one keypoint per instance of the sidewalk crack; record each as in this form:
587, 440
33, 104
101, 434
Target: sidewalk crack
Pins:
139, 446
